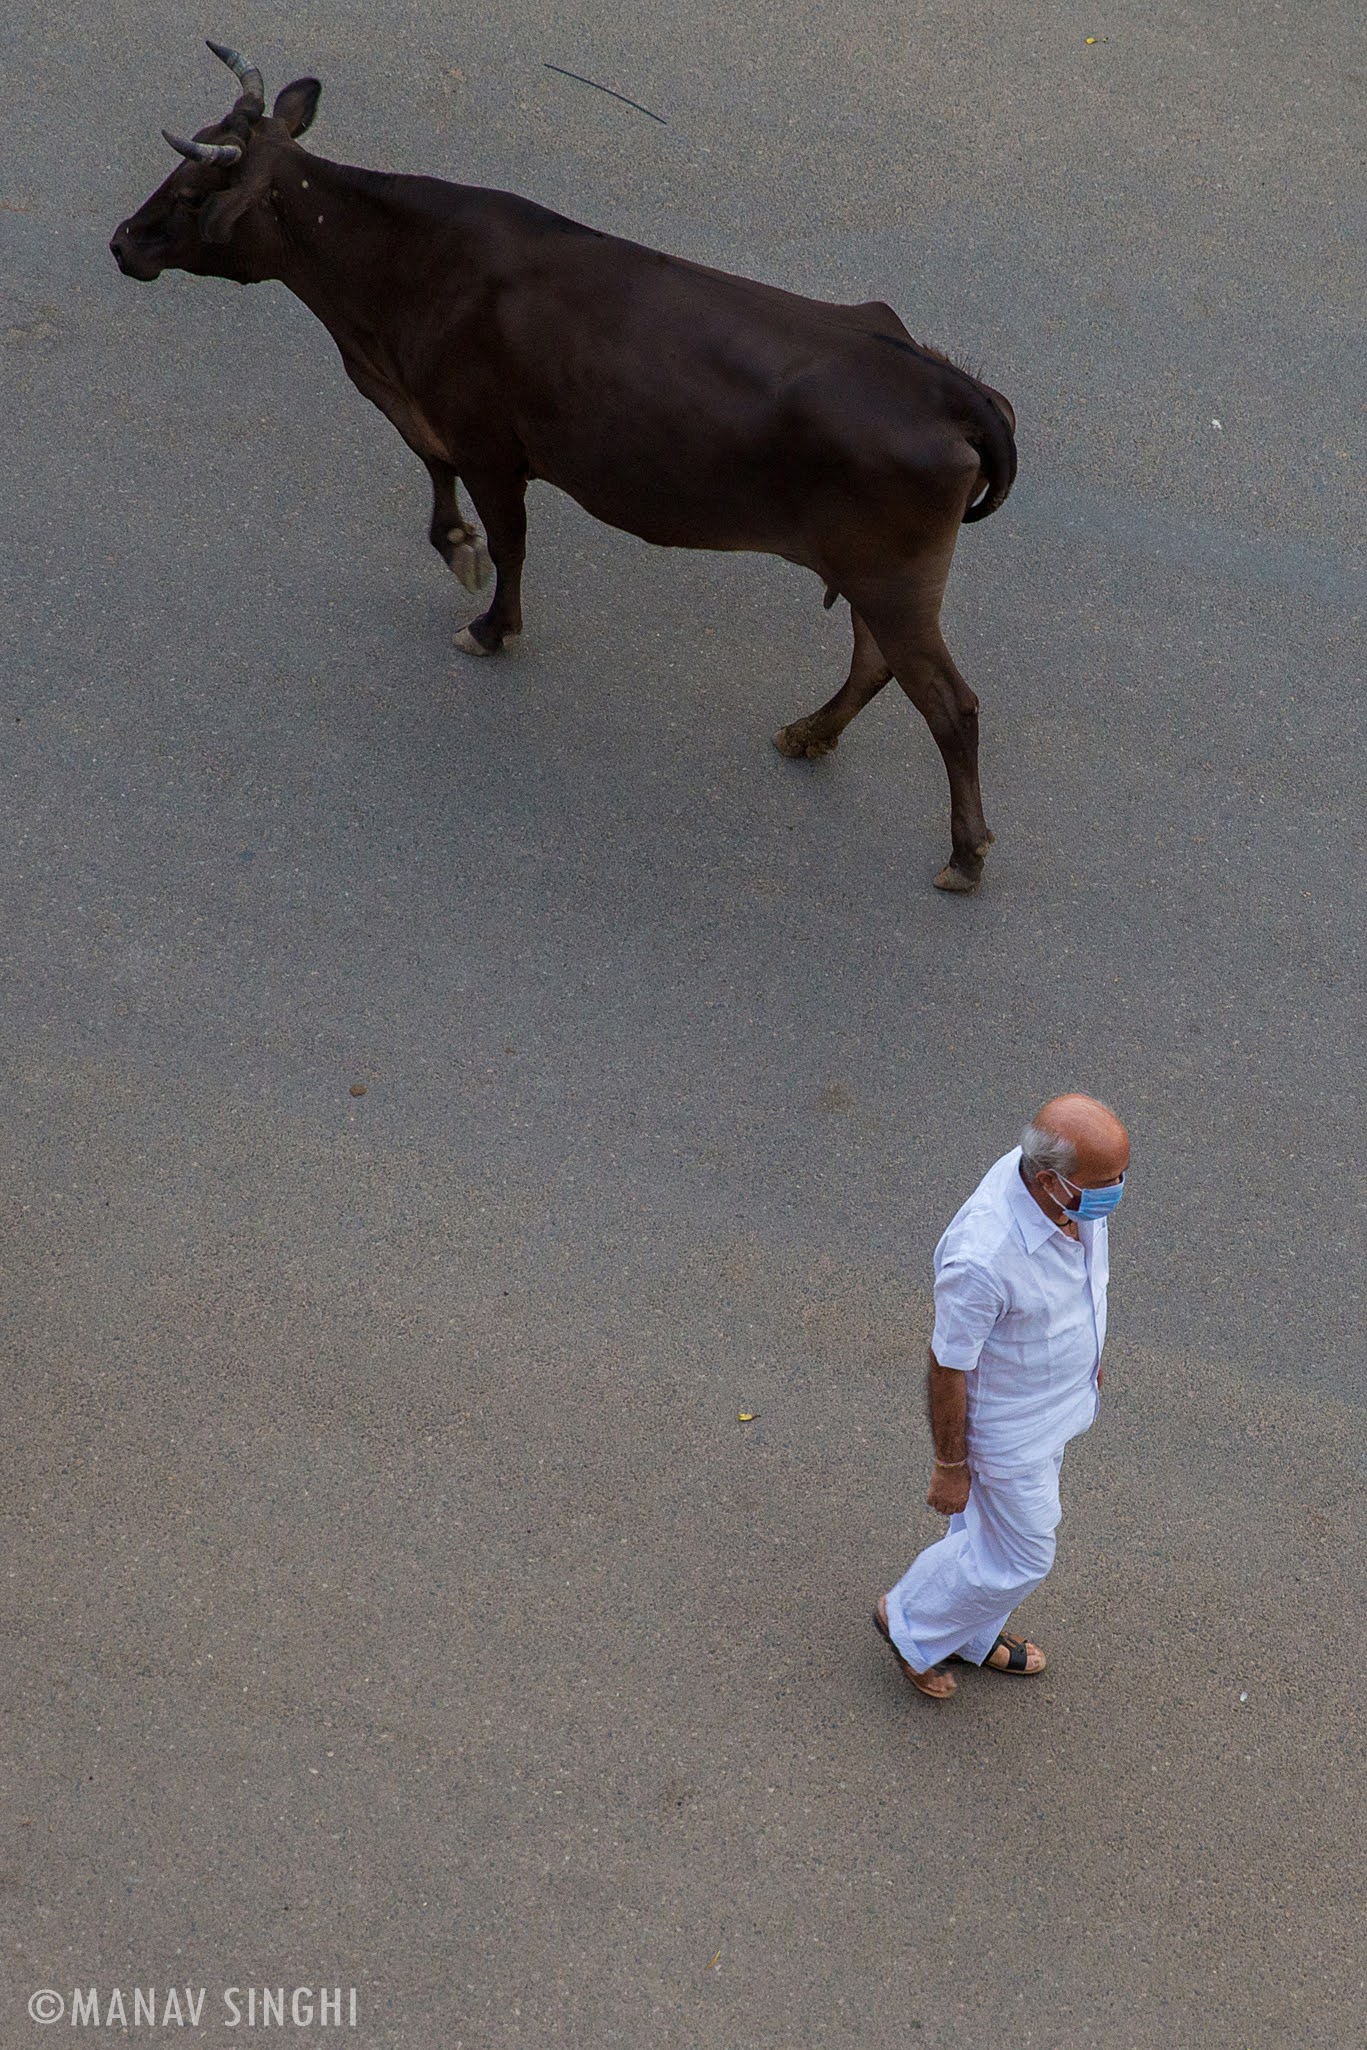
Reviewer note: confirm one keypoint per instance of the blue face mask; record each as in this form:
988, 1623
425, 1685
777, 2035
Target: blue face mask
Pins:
1093, 1203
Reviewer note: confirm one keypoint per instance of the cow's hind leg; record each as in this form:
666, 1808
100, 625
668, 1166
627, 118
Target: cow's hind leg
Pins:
457, 543
820, 731
923, 666
500, 501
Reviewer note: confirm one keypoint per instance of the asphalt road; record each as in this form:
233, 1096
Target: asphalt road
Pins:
394, 1599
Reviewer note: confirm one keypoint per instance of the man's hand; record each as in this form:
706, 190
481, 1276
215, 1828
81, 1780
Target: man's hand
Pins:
1101, 1377
949, 1486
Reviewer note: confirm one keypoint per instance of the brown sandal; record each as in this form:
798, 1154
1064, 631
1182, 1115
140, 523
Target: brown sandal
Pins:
947, 1685
1017, 1656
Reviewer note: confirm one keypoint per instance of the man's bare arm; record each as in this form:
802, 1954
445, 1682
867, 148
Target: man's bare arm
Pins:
947, 1405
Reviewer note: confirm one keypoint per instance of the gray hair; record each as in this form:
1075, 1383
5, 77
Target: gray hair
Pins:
1047, 1152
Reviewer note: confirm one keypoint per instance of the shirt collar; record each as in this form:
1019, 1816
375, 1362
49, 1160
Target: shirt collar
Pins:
1035, 1227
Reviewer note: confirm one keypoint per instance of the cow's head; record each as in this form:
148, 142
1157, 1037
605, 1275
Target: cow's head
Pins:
212, 215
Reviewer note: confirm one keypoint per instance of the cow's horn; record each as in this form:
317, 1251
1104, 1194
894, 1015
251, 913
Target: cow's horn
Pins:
253, 84
205, 152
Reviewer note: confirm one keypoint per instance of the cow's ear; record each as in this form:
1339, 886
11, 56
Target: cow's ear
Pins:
297, 104
221, 214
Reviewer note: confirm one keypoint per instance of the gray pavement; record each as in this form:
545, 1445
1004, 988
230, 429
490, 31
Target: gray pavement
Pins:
394, 1598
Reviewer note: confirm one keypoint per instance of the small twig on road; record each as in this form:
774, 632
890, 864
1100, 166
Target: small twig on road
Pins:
608, 90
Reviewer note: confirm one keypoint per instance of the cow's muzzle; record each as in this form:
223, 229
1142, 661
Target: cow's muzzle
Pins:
133, 262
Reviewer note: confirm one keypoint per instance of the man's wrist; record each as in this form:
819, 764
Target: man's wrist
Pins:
951, 1462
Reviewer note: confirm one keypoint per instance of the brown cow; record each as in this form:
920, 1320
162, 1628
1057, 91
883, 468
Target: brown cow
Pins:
694, 409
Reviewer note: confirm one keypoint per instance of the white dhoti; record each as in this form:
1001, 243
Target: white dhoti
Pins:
957, 1595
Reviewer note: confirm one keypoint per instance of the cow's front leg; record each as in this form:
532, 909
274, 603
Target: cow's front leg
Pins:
500, 501
457, 543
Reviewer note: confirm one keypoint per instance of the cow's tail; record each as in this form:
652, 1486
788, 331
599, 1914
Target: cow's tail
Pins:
996, 449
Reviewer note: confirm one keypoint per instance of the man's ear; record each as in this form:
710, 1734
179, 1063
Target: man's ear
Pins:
297, 104
221, 214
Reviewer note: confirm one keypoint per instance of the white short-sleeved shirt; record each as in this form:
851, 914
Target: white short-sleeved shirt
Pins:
1020, 1308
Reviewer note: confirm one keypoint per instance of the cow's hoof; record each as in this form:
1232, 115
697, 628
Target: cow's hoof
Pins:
468, 645
469, 563
951, 878
797, 743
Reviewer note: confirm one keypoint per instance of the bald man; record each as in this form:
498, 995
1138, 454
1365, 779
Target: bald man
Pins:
1015, 1372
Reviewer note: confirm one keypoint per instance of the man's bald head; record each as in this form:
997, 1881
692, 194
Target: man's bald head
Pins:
1078, 1137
